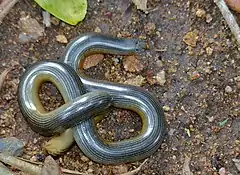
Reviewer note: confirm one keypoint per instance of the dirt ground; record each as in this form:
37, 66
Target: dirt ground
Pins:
200, 96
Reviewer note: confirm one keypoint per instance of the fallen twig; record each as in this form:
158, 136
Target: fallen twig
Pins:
229, 18
186, 168
20, 165
4, 170
135, 171
5, 7
62, 169
33, 168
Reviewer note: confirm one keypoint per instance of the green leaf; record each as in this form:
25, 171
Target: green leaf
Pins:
188, 132
221, 124
69, 11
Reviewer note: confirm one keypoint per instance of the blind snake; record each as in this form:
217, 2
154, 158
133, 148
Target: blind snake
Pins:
86, 98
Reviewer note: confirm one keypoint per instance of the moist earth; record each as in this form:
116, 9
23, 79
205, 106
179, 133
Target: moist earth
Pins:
188, 40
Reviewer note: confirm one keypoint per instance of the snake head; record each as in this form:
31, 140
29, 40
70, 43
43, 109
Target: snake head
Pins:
140, 46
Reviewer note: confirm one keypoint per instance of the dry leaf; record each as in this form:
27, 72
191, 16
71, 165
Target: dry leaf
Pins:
3, 76
29, 167
50, 167
20, 165
141, 4
92, 60
132, 64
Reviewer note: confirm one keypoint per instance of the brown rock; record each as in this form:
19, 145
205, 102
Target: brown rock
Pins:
31, 30
50, 167
92, 60
132, 64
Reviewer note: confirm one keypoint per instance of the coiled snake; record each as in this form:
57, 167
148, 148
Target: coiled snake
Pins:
86, 98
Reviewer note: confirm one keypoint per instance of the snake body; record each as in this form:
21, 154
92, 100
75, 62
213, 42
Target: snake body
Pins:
70, 79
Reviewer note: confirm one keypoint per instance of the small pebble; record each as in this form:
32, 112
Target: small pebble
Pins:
84, 159
35, 140
222, 171
33, 159
161, 78
208, 18
201, 13
171, 131
150, 27
46, 18
228, 89
166, 108
50, 167
90, 170
211, 119
98, 30
131, 130
61, 39
195, 75
209, 51
105, 171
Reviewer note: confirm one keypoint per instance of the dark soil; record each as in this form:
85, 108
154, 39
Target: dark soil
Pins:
197, 104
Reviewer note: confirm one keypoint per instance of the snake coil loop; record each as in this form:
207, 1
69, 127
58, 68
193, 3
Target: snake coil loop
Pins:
85, 98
